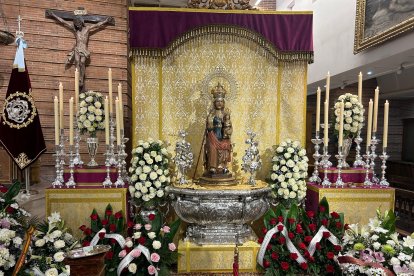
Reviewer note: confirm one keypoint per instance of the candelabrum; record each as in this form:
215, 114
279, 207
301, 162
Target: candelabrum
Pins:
71, 182
325, 158
60, 161
124, 155
183, 157
339, 183
107, 182
251, 159
384, 183
77, 161
315, 175
358, 163
374, 143
328, 163
119, 181
57, 182
367, 183
112, 154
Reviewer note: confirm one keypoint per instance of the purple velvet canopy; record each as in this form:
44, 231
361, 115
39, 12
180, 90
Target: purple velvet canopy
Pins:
158, 28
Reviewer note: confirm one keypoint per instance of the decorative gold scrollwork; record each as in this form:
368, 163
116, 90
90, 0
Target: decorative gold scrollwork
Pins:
220, 4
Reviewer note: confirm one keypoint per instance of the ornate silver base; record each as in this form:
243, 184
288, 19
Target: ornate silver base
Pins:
219, 216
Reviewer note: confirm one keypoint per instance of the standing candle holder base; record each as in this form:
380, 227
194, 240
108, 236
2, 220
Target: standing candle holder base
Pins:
325, 162
326, 182
112, 154
119, 181
107, 182
384, 183
124, 172
339, 183
71, 182
374, 143
367, 183
57, 183
359, 162
77, 160
315, 175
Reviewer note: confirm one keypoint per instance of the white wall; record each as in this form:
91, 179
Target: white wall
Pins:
334, 27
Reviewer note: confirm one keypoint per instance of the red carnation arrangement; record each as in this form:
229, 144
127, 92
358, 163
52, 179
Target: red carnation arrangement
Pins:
300, 227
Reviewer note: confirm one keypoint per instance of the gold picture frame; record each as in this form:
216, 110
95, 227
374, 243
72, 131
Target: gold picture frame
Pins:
378, 21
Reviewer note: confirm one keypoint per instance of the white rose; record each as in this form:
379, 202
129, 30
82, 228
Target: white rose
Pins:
144, 190
151, 235
141, 162
150, 161
156, 245
348, 105
288, 175
157, 184
164, 151
283, 185
281, 178
134, 178
87, 123
89, 99
283, 144
145, 198
56, 234
275, 167
40, 243
279, 149
292, 194
59, 256
142, 176
132, 267
151, 195
348, 120
83, 110
284, 169
347, 127
137, 194
296, 176
287, 155
286, 192
52, 272
280, 191
153, 175
145, 145
98, 118
148, 184
146, 169
129, 243
290, 163
294, 187
411, 265
139, 149
91, 109
290, 150
59, 244
291, 181
273, 176
354, 129
282, 162
160, 193
354, 100
153, 153
137, 235
97, 104
158, 158
162, 178
296, 144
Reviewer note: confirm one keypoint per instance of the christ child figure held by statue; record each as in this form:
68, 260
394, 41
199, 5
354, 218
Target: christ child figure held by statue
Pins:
218, 148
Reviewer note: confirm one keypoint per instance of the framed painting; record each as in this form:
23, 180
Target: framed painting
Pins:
380, 20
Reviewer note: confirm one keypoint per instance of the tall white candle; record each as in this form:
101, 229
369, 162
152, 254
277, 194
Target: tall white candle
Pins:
385, 136
369, 129
341, 124
328, 85
61, 105
106, 106
360, 87
325, 131
318, 108
56, 108
71, 121
76, 90
375, 118
110, 89
118, 125
121, 107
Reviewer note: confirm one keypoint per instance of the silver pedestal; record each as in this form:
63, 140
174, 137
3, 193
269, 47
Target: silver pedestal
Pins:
219, 216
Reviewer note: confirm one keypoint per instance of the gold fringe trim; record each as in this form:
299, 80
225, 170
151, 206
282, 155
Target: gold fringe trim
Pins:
225, 34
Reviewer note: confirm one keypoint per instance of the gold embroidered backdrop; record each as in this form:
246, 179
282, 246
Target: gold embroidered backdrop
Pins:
263, 94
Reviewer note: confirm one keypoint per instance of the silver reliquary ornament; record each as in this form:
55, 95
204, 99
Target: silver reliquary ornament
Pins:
183, 157
251, 159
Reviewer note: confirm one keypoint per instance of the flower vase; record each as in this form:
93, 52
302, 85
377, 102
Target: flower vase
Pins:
346, 147
92, 143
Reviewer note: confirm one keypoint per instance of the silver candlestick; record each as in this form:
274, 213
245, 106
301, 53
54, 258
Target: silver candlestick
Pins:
71, 182
77, 161
62, 155
112, 154
384, 183
124, 155
367, 183
119, 181
183, 157
251, 159
315, 175
107, 182
339, 183
325, 158
322, 163
358, 163
374, 142
57, 182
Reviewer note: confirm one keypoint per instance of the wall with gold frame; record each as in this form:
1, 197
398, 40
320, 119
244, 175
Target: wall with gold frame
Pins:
265, 95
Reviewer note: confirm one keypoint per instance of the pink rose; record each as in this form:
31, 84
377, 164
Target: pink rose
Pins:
166, 229
155, 257
151, 270
137, 226
135, 253
171, 246
122, 253
147, 227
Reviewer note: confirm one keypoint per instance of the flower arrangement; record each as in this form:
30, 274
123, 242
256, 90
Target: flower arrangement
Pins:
149, 172
288, 173
91, 116
353, 115
113, 223
376, 249
50, 242
150, 249
300, 242
13, 225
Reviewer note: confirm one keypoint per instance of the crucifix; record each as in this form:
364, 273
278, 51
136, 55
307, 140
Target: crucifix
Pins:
80, 54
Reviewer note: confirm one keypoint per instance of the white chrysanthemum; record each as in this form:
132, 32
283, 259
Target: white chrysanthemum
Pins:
59, 256
59, 244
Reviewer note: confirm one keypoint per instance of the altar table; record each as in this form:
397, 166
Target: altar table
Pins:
76, 204
90, 176
216, 258
354, 175
357, 203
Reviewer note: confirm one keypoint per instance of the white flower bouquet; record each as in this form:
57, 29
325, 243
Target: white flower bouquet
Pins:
376, 249
149, 172
50, 242
288, 173
91, 114
353, 115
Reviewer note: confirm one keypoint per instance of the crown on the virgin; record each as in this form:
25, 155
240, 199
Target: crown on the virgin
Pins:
218, 91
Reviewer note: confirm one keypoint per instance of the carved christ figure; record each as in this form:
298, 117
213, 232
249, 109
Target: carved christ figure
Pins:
80, 54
